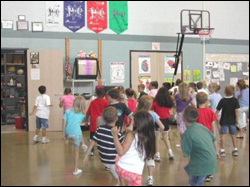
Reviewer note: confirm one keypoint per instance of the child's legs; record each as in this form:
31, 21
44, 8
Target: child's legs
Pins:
63, 128
158, 138
223, 133
132, 178
195, 180
77, 139
113, 171
181, 124
38, 125
151, 166
166, 140
91, 137
44, 125
233, 132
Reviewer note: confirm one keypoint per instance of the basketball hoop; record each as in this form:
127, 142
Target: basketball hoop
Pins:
205, 34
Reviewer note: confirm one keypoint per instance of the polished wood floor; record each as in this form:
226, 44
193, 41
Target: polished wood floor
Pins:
24, 163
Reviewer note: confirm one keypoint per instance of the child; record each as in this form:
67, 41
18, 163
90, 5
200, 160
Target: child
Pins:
153, 87
66, 102
123, 97
122, 109
200, 86
138, 147
132, 103
163, 103
193, 91
229, 118
198, 143
42, 109
214, 97
175, 89
105, 142
95, 110
145, 104
141, 88
243, 96
207, 117
183, 99
72, 121
167, 85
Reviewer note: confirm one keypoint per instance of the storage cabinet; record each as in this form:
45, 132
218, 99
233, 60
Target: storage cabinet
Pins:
14, 86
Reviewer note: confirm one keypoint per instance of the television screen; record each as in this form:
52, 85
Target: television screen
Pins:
87, 68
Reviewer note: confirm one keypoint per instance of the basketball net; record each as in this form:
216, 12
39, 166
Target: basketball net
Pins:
205, 35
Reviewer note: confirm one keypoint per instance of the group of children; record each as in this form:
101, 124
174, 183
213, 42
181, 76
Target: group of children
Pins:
128, 130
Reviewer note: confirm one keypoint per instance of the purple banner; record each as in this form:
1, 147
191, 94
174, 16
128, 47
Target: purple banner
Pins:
74, 15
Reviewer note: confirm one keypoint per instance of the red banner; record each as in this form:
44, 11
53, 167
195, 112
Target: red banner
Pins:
97, 16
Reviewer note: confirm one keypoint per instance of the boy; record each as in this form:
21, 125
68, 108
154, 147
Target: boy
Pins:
105, 142
42, 110
207, 117
198, 143
200, 86
95, 110
122, 109
141, 88
229, 119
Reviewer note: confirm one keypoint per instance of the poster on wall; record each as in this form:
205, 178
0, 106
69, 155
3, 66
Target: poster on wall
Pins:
187, 76
54, 13
168, 79
146, 81
196, 75
35, 74
156, 46
233, 81
144, 64
117, 72
74, 15
169, 64
118, 16
34, 57
97, 16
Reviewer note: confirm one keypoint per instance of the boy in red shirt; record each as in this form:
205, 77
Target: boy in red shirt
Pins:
207, 117
95, 110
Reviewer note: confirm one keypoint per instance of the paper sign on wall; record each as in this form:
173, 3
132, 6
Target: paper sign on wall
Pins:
35, 74
233, 69
187, 76
196, 75
144, 65
117, 72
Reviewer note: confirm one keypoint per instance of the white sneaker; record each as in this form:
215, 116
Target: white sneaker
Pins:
171, 155
150, 182
157, 158
45, 141
78, 172
84, 148
91, 154
36, 139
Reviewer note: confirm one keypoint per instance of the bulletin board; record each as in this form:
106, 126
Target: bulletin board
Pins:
226, 69
147, 66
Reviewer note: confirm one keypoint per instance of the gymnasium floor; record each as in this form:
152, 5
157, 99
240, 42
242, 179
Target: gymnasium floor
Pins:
25, 163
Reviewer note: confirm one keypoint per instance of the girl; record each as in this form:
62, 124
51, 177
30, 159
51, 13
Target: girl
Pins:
138, 147
66, 102
243, 96
193, 91
183, 99
163, 103
153, 87
145, 104
72, 121
132, 103
123, 97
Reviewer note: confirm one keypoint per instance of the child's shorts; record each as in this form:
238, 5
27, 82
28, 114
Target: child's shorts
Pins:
165, 122
232, 130
77, 139
42, 123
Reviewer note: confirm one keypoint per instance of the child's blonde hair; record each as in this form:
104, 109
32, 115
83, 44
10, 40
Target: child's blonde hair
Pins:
79, 105
145, 103
212, 87
184, 92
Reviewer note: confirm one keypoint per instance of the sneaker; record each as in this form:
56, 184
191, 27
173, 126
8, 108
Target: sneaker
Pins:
223, 154
36, 139
78, 172
84, 148
171, 156
45, 141
150, 182
107, 169
91, 154
235, 153
209, 178
157, 158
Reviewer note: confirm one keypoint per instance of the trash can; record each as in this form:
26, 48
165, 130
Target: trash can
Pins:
19, 122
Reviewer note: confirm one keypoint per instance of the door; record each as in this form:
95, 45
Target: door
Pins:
50, 68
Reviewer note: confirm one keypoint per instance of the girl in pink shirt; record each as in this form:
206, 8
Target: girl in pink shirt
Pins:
153, 87
132, 103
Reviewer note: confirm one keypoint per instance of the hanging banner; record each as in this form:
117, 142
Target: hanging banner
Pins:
118, 16
117, 72
196, 75
187, 76
74, 15
97, 16
169, 64
54, 13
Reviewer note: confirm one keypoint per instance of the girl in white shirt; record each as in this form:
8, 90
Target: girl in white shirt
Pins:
138, 147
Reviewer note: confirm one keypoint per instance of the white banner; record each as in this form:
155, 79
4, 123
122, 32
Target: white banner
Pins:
54, 14
117, 72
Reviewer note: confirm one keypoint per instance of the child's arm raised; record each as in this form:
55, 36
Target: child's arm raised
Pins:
122, 148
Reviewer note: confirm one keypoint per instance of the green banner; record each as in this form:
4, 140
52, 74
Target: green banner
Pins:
118, 16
